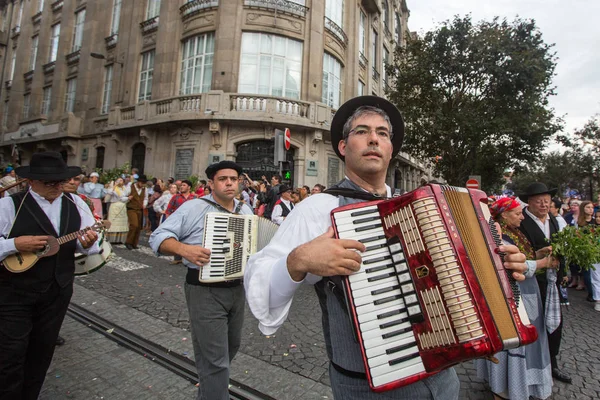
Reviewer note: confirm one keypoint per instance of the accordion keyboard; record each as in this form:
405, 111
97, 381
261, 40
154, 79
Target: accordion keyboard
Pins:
384, 298
225, 237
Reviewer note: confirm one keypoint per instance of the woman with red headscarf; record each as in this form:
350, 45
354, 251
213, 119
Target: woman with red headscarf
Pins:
524, 371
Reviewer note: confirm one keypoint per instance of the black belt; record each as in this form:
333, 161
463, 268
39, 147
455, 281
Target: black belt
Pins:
191, 278
350, 374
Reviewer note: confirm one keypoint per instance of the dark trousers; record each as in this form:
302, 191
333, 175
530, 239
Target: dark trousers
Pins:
153, 219
29, 325
555, 337
135, 226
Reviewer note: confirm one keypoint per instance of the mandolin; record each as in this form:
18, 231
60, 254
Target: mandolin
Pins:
22, 261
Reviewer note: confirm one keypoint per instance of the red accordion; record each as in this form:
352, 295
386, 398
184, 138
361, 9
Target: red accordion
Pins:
432, 291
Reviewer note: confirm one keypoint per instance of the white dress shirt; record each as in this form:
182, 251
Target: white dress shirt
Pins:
544, 226
276, 215
52, 210
270, 303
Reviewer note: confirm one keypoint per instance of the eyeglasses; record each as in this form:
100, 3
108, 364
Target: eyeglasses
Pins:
53, 183
362, 131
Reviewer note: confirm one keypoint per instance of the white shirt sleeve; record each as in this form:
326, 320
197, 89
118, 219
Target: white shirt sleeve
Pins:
87, 219
7, 215
269, 287
276, 214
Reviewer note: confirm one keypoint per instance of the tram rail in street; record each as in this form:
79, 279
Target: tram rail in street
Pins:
170, 360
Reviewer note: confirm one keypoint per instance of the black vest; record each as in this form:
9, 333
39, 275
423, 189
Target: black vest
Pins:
538, 240
284, 209
31, 220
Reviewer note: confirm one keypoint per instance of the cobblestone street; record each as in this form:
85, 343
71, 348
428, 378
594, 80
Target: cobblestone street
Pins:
150, 285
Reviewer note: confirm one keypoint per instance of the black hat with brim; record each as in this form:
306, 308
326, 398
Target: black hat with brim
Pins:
284, 188
214, 168
142, 179
47, 166
534, 189
347, 109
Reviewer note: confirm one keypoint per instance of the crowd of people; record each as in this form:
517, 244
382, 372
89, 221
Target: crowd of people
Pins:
366, 133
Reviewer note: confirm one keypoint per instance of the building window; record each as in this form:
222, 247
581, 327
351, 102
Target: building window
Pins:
361, 88
108, 77
398, 29
334, 11
386, 14
13, 64
270, 65
26, 103
332, 81
362, 33
70, 95
196, 65
34, 49
100, 157
153, 9
54, 39
47, 97
40, 5
116, 16
386, 60
78, 31
20, 13
146, 73
374, 49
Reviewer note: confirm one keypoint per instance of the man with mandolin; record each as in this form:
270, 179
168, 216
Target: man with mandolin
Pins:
41, 229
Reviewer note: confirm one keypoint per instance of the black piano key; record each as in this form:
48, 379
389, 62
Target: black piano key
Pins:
387, 299
400, 348
389, 314
384, 290
378, 259
372, 239
395, 322
396, 333
367, 228
374, 247
362, 212
373, 218
405, 358
377, 269
380, 277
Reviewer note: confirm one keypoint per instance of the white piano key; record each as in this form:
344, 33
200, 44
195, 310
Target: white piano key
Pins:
384, 283
381, 314
348, 213
384, 359
380, 298
370, 308
395, 372
371, 336
384, 345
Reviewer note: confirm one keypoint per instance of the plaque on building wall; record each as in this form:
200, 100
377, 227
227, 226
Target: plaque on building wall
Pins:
333, 168
184, 159
312, 167
214, 158
84, 154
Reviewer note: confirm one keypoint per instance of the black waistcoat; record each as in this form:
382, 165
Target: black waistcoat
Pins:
284, 209
537, 238
31, 220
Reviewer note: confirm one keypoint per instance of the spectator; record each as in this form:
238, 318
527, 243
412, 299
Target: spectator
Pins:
151, 213
283, 206
94, 191
200, 189
571, 216
160, 205
135, 206
185, 194
318, 188
272, 195
555, 209
9, 179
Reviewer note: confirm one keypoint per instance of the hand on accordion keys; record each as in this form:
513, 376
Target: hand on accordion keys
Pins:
325, 256
514, 260
195, 254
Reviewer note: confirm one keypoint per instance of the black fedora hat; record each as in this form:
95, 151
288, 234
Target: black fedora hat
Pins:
347, 109
47, 166
142, 178
284, 188
534, 189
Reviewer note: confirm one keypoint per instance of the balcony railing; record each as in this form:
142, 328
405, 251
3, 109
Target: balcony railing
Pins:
190, 103
194, 7
336, 30
36, 18
128, 113
49, 67
254, 103
27, 76
111, 41
375, 74
73, 57
280, 5
362, 60
57, 5
149, 25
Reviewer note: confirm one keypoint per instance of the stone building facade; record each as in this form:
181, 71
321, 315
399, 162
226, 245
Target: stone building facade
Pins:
172, 86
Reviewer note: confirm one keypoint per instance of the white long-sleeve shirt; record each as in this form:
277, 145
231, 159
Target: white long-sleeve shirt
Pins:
160, 205
52, 210
269, 287
276, 215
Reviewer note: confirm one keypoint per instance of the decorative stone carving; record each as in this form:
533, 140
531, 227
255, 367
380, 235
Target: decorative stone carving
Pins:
215, 128
317, 137
149, 40
185, 132
100, 126
269, 20
200, 21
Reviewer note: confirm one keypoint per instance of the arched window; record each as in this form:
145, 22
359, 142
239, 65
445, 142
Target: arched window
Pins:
386, 14
100, 157
138, 156
256, 159
398, 29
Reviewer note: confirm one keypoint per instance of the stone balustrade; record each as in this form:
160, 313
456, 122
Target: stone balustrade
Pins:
193, 7
149, 25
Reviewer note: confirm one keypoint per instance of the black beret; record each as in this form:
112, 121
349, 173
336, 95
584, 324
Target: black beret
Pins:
211, 170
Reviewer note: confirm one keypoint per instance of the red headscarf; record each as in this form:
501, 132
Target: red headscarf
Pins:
503, 204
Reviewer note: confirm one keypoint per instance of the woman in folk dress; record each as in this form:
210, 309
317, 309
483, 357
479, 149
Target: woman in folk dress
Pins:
117, 212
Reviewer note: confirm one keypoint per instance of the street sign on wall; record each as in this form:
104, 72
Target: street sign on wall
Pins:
288, 139
472, 184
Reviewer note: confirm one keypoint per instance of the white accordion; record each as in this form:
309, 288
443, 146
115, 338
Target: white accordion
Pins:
232, 239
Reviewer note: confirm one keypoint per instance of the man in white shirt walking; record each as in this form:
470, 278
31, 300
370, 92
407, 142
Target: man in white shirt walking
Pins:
283, 206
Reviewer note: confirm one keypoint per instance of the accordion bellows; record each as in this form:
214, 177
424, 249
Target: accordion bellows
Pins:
432, 291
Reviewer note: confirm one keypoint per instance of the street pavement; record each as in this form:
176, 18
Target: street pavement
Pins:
144, 293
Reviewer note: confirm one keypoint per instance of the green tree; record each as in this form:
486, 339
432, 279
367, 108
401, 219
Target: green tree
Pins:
476, 96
